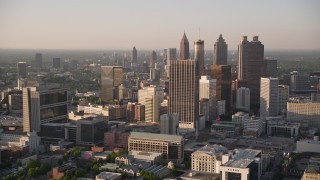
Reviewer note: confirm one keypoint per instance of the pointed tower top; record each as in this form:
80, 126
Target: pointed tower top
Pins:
184, 38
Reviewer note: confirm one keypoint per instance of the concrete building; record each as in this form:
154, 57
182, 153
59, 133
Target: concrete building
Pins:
244, 164
308, 145
116, 139
171, 56
184, 48
151, 157
207, 90
153, 59
269, 97
90, 131
299, 82
221, 107
184, 92
222, 74
155, 74
169, 123
304, 112
270, 68
243, 99
282, 128
109, 176
171, 146
199, 55
111, 84
42, 106
22, 69
243, 55
311, 173
220, 52
208, 158
283, 98
56, 63
20, 139
151, 97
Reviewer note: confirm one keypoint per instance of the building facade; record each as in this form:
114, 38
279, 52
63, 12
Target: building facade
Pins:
243, 99
151, 97
304, 112
220, 52
111, 83
184, 48
269, 97
169, 123
199, 55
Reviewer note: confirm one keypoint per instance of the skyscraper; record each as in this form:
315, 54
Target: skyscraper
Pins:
220, 52
134, 55
42, 106
111, 83
283, 98
56, 63
151, 98
222, 74
251, 66
171, 56
184, 92
169, 123
207, 90
184, 48
38, 60
22, 69
153, 59
199, 55
243, 53
269, 97
243, 99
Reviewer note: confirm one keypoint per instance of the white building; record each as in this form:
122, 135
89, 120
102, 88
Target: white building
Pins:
244, 164
151, 98
304, 112
269, 97
20, 139
208, 158
207, 90
249, 123
243, 99
169, 123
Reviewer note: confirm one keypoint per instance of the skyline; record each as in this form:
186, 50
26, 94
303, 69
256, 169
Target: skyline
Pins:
123, 24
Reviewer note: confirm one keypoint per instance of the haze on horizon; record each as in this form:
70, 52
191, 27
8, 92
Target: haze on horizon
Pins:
100, 24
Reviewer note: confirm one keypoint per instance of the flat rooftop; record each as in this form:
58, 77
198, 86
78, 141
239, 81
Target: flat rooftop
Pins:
241, 158
154, 136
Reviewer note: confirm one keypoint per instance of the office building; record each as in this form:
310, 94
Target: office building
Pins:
243, 55
270, 68
56, 63
269, 97
184, 48
222, 74
155, 74
116, 139
283, 98
38, 61
299, 82
151, 98
199, 55
90, 131
242, 164
207, 90
153, 59
220, 52
169, 123
111, 84
171, 56
42, 106
171, 146
243, 99
208, 158
134, 55
184, 92
304, 112
22, 69
282, 128
52, 133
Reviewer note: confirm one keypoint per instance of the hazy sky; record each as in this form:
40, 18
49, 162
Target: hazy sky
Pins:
151, 24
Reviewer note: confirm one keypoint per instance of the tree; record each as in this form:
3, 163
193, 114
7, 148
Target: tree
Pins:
31, 172
19, 163
96, 169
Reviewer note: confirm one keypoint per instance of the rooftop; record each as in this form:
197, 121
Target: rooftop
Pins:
241, 158
154, 136
213, 150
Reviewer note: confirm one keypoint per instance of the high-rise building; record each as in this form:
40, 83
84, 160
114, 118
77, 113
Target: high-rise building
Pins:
222, 74
22, 69
270, 68
171, 56
220, 53
199, 55
184, 92
184, 48
269, 97
111, 83
243, 99
169, 123
90, 131
243, 55
299, 82
153, 59
171, 146
251, 66
283, 98
155, 75
151, 98
134, 55
56, 63
42, 106
207, 90
38, 60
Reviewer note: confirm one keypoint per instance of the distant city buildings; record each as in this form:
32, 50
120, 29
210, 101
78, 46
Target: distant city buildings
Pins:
111, 84
220, 53
199, 55
37, 63
22, 69
134, 55
56, 63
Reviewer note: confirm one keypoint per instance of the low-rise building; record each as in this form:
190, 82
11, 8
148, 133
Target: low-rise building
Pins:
308, 145
282, 128
108, 176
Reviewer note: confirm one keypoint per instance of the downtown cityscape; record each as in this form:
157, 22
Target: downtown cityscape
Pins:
162, 90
